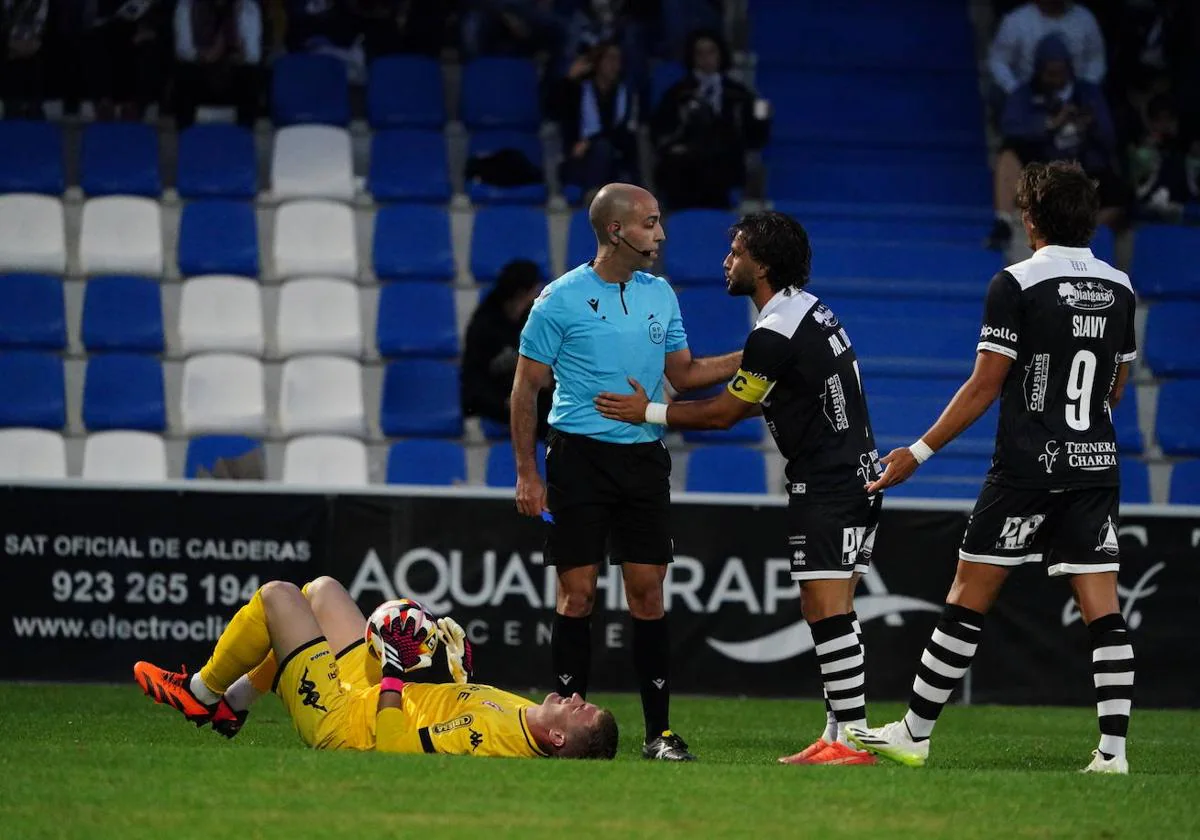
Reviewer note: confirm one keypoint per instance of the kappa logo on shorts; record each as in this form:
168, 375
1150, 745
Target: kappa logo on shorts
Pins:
308, 690
1107, 539
1018, 531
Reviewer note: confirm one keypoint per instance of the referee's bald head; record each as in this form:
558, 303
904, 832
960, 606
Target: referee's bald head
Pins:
616, 203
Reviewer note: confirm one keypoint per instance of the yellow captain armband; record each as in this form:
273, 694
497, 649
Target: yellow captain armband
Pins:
750, 387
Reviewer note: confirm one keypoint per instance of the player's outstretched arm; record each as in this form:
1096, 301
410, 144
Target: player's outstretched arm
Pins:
719, 412
687, 373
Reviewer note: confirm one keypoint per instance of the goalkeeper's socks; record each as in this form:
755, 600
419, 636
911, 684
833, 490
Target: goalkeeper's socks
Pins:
840, 658
242, 694
651, 660
571, 653
202, 692
244, 644
945, 660
1112, 674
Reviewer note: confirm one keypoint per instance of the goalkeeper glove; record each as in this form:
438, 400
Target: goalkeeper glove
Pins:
403, 635
459, 656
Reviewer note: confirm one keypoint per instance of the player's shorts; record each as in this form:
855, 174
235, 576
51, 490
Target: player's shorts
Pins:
612, 498
831, 538
1074, 531
310, 684
354, 666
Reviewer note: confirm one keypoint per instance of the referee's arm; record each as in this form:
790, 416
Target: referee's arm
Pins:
531, 377
686, 373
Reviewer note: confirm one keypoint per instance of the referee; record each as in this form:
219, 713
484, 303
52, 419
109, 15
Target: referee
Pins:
591, 330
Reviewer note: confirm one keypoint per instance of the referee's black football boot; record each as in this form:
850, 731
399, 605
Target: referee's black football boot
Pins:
667, 747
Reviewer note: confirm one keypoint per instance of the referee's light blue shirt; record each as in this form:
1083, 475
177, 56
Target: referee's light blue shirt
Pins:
594, 334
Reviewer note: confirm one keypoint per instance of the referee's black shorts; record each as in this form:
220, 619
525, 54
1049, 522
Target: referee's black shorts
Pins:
607, 498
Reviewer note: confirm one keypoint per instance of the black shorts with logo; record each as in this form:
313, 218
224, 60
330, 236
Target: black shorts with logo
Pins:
831, 538
607, 498
1075, 531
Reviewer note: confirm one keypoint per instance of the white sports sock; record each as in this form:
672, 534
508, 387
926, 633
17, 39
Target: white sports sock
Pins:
202, 692
831, 727
242, 694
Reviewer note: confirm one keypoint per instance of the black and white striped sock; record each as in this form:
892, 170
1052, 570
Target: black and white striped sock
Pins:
831, 726
945, 660
842, 670
1112, 673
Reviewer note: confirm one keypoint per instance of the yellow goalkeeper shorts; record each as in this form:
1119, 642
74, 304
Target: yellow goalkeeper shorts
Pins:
318, 702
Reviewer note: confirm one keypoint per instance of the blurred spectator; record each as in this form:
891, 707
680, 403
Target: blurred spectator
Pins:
597, 117
399, 26
703, 127
681, 18
625, 22
520, 27
22, 57
1163, 168
1056, 117
124, 43
218, 50
1011, 58
493, 336
327, 27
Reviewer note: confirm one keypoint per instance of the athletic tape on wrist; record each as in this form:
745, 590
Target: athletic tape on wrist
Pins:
921, 451
656, 413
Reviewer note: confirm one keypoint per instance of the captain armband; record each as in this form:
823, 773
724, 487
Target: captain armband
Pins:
750, 387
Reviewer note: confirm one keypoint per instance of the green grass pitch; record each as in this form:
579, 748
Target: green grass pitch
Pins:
103, 761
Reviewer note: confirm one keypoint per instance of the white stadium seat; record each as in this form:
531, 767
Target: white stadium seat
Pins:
223, 393
321, 394
32, 453
315, 238
121, 235
221, 313
32, 234
325, 460
125, 456
319, 316
312, 161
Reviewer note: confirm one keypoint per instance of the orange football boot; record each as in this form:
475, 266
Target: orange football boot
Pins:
805, 754
839, 753
171, 688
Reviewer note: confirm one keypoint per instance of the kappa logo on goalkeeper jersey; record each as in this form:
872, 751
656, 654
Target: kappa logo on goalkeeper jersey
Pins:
476, 740
308, 690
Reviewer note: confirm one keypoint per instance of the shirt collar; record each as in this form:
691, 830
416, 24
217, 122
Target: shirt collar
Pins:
1062, 252
776, 301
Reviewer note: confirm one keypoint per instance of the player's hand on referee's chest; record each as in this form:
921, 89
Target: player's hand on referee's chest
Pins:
628, 408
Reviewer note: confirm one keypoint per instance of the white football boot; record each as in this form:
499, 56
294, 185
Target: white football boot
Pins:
1116, 765
892, 741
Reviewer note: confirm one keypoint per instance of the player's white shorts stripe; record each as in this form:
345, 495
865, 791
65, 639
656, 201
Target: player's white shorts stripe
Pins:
1112, 653
855, 661
1113, 707
1114, 679
935, 695
837, 644
830, 575
847, 703
939, 667
849, 682
996, 560
952, 644
1081, 568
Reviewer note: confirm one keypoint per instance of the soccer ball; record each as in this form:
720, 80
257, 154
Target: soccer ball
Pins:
396, 610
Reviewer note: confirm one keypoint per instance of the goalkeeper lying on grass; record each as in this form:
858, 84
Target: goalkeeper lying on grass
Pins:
337, 703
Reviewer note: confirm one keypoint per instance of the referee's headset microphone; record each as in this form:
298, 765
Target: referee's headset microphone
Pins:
647, 253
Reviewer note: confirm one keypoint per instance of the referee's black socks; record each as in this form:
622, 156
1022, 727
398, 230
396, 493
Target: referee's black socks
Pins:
571, 653
651, 659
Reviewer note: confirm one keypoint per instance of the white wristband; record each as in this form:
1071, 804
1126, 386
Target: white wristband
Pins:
656, 413
921, 451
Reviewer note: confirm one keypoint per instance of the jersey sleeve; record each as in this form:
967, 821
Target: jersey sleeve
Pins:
542, 335
1129, 343
1001, 317
676, 335
764, 356
395, 733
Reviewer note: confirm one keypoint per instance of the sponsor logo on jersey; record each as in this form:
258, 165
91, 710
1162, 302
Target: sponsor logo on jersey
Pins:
852, 544
1046, 459
1018, 531
1037, 378
1002, 333
1106, 540
824, 316
834, 403
868, 466
1088, 295
1098, 455
839, 343
450, 725
1088, 326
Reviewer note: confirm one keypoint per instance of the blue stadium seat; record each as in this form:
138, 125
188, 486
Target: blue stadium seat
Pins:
502, 466
905, 212
726, 469
805, 177
32, 390
122, 313
715, 322
1185, 483
440, 462
483, 143
696, 246
218, 237
405, 91
409, 165
493, 430
910, 270
500, 93
967, 231
421, 399
1125, 422
203, 452
119, 158
1176, 428
309, 89
124, 391
217, 161
1164, 261
412, 242
1103, 244
503, 234
902, 409
1171, 348
31, 157
664, 75
581, 241
749, 430
1135, 482
32, 313
417, 319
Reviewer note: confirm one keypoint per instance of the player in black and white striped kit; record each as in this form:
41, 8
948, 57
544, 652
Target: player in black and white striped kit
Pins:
1056, 346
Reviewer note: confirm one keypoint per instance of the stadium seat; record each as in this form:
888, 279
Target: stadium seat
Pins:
417, 319
405, 91
319, 316
122, 313
1176, 428
125, 456
32, 313
1171, 348
309, 89
715, 322
322, 394
312, 161
1125, 422
484, 143
217, 161
1164, 261
966, 230
119, 158
32, 390
501, 468
124, 391
218, 237
749, 430
696, 246
204, 453
439, 462
1185, 483
500, 93
121, 235
315, 238
662, 77
409, 165
31, 157
502, 234
421, 399
325, 461
910, 270
726, 469
412, 242
32, 454
797, 173
581, 240
493, 430
902, 408
220, 315
900, 342
223, 392
1135, 482
32, 234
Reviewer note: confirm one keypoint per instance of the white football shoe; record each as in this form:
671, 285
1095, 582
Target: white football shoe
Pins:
892, 741
1116, 765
